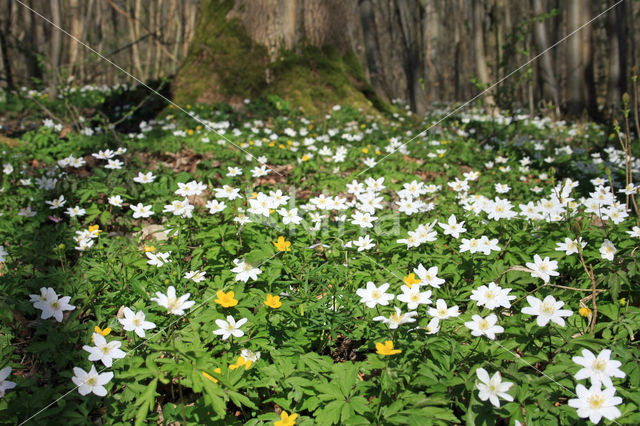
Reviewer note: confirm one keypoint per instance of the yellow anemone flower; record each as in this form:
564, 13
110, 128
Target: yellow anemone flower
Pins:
282, 244
386, 348
286, 419
241, 362
100, 331
584, 311
410, 280
273, 301
226, 299
210, 377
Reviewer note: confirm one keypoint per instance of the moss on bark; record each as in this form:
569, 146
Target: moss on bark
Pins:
225, 64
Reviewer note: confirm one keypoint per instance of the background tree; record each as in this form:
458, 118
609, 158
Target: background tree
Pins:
315, 52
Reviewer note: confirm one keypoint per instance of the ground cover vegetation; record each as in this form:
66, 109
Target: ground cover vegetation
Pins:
263, 267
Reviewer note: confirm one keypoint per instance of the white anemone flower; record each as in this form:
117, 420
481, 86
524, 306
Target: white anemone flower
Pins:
229, 327
91, 382
174, 305
492, 388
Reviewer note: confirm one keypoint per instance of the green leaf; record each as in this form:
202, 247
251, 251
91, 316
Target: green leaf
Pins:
239, 399
146, 401
359, 404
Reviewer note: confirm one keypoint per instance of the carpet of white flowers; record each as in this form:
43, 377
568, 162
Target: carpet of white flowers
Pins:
265, 268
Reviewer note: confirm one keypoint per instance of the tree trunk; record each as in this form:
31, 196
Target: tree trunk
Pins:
587, 60
575, 68
617, 61
158, 18
179, 30
29, 47
432, 38
56, 46
548, 76
478, 45
5, 30
75, 29
374, 65
412, 55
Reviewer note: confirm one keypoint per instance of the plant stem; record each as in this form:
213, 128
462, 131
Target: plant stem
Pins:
184, 415
594, 290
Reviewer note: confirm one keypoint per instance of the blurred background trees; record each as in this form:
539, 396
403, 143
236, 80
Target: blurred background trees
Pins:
314, 52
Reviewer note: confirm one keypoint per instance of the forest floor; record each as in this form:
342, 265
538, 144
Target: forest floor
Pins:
252, 267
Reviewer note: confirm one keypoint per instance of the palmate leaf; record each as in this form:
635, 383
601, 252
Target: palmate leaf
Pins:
146, 402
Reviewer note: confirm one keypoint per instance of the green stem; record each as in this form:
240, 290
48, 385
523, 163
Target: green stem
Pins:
379, 400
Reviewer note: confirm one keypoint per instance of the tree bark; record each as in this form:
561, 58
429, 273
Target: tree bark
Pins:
29, 47
617, 61
56, 47
75, 28
575, 68
412, 55
5, 30
374, 65
587, 60
547, 74
478, 44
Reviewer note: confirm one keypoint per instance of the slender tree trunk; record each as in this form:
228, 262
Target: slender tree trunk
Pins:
85, 26
547, 74
494, 43
587, 60
149, 42
134, 31
630, 24
575, 70
190, 27
179, 35
75, 28
29, 47
617, 60
157, 20
457, 59
478, 45
432, 38
56, 46
413, 55
374, 65
5, 31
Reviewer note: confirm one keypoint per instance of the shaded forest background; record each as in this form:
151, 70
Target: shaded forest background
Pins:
315, 53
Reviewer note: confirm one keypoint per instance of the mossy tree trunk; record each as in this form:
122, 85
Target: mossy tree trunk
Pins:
299, 50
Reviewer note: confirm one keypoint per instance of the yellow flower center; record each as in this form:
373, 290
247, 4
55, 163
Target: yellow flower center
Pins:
547, 308
483, 324
596, 401
599, 364
172, 303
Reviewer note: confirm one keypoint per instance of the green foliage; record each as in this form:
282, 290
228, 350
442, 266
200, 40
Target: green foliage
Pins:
318, 349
